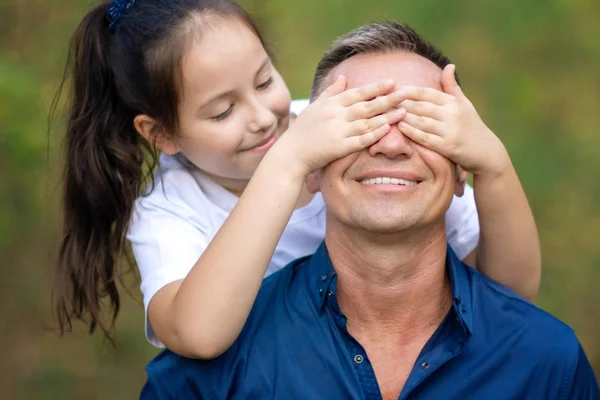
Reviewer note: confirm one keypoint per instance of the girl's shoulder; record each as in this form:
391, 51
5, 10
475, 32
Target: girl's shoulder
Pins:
181, 191
174, 179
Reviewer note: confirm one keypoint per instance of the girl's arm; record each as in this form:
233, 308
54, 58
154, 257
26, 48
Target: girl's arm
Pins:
509, 247
446, 122
202, 315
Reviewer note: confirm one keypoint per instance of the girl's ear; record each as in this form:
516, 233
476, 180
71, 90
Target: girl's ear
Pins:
153, 132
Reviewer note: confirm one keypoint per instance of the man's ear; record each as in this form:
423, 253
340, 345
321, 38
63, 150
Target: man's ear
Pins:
313, 181
461, 181
153, 132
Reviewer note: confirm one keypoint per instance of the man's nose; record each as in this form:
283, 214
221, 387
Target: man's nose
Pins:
393, 144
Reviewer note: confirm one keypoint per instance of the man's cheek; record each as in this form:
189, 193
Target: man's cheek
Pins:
333, 176
340, 167
435, 160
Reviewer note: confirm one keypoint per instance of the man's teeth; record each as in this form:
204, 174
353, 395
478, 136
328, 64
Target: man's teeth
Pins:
387, 181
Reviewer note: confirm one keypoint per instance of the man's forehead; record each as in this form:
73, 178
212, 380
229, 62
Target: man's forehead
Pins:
404, 68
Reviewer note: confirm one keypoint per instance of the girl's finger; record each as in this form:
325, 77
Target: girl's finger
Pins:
334, 89
424, 124
373, 107
366, 125
420, 93
356, 143
449, 83
363, 93
424, 108
429, 140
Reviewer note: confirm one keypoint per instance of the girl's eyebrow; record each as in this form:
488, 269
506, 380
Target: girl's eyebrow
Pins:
218, 96
265, 63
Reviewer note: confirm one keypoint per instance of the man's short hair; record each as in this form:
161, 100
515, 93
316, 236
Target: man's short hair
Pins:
380, 37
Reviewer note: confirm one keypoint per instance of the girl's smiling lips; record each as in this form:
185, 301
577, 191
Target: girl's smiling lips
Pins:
264, 144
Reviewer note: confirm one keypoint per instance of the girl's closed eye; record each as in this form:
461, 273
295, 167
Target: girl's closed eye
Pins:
227, 112
265, 84
223, 115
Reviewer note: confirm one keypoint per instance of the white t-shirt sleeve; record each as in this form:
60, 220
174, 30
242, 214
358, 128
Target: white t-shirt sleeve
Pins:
462, 223
167, 240
298, 105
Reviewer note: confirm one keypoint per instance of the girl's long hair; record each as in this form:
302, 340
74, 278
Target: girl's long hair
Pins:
113, 76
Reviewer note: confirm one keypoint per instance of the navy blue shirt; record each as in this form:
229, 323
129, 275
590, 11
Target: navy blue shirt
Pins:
492, 345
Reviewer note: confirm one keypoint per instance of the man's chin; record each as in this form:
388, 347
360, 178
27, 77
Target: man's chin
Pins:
386, 225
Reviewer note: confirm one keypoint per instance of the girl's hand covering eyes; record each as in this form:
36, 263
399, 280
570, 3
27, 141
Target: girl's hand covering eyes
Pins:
447, 122
340, 122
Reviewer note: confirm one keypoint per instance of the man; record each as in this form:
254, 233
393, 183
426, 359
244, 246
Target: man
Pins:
384, 309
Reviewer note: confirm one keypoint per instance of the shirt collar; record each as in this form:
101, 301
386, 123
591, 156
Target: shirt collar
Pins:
321, 275
461, 289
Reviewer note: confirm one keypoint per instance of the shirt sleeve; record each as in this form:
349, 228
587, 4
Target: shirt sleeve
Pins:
298, 105
153, 390
172, 377
584, 383
166, 379
167, 239
462, 223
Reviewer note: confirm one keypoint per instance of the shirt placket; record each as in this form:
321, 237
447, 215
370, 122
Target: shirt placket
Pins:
441, 348
360, 360
444, 347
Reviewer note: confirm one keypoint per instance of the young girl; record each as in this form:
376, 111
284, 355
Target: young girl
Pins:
192, 79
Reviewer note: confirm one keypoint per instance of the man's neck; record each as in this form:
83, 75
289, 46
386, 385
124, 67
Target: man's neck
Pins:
391, 283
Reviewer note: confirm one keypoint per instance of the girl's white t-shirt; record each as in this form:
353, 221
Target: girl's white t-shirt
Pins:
173, 224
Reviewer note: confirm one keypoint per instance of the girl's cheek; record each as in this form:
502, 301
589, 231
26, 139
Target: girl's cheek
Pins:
283, 101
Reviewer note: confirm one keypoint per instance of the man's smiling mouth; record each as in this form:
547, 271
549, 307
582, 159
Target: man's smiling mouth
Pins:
384, 180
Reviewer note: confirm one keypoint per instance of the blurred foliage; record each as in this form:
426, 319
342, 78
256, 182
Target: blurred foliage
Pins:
531, 68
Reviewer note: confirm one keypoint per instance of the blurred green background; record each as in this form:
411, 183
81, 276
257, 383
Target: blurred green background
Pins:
530, 67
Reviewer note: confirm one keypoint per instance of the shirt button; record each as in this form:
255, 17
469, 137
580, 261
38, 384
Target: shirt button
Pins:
324, 278
358, 359
425, 365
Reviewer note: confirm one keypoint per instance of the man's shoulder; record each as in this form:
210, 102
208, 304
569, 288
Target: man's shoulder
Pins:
177, 375
513, 337
287, 282
285, 274
536, 328
168, 376
282, 297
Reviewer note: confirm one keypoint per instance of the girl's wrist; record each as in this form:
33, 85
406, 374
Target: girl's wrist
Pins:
499, 176
497, 165
283, 159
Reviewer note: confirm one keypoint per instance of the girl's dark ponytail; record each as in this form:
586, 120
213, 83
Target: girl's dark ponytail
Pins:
102, 178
